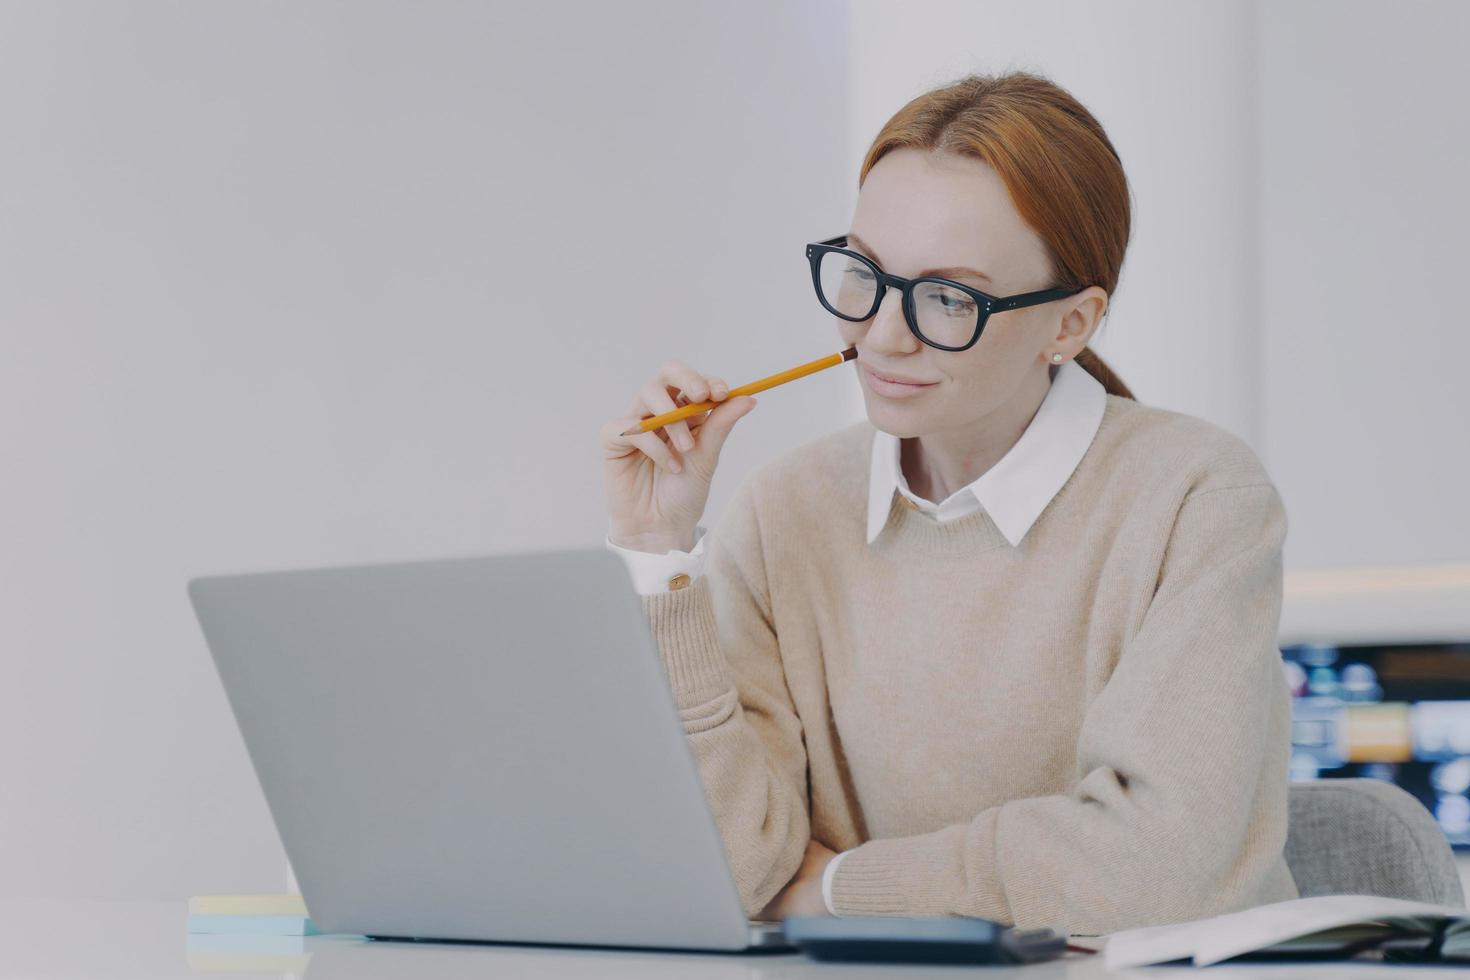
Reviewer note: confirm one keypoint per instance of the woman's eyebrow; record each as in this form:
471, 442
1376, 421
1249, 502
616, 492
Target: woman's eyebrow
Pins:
948, 272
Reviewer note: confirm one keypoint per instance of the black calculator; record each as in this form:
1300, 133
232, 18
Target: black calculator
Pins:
944, 939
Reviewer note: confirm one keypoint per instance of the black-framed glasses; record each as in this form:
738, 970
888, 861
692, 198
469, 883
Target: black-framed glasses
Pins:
940, 312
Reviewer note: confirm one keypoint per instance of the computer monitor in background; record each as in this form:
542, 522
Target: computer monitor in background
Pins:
1397, 712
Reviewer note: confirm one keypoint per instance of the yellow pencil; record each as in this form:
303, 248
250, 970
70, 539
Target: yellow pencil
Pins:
694, 408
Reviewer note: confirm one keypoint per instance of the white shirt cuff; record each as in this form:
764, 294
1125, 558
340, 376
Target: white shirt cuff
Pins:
651, 571
827, 874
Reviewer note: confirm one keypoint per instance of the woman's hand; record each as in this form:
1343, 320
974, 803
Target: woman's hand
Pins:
652, 505
803, 893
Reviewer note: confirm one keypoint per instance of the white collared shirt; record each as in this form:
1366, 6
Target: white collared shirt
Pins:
1017, 488
1014, 491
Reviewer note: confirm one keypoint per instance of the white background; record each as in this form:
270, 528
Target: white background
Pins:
292, 284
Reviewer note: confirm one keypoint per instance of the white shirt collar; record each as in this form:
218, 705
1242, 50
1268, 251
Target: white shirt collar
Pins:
1016, 489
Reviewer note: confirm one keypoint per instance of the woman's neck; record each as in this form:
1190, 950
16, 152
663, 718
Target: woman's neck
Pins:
938, 464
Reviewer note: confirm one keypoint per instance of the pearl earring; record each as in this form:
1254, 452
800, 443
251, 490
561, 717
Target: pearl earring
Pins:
1056, 358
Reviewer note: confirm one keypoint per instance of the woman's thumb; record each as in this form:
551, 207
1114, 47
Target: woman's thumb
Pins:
721, 420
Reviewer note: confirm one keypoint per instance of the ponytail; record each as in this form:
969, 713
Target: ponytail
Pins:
1095, 366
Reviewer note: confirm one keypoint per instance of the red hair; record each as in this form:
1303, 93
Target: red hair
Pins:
1064, 177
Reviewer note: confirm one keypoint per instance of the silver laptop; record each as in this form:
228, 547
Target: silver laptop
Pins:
481, 748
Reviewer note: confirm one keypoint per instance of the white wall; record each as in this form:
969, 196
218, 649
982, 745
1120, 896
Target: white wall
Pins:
1174, 86
279, 288
1364, 250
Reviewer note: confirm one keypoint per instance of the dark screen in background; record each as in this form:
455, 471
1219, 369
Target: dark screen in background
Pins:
1400, 713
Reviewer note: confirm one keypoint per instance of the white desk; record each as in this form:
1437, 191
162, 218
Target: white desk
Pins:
135, 940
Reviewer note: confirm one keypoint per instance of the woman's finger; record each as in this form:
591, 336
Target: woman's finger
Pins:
686, 379
680, 377
657, 449
656, 398
700, 388
693, 421
635, 414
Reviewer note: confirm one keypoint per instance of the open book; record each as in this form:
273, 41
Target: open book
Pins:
1323, 926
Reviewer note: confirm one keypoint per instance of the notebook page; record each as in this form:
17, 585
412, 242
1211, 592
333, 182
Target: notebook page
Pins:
1152, 944
1223, 936
1267, 925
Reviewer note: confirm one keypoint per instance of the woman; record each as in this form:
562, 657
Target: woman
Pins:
1052, 698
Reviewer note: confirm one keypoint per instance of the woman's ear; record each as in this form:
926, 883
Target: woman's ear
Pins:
1081, 318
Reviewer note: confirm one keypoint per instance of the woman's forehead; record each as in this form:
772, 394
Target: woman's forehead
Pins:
918, 212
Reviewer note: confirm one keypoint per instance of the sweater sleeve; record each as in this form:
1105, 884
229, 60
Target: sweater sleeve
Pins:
1180, 805
720, 651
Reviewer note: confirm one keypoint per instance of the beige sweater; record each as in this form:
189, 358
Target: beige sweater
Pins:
1088, 730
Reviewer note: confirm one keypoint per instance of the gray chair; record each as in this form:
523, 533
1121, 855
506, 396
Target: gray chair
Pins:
1368, 837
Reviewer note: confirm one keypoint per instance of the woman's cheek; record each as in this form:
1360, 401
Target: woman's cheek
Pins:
850, 332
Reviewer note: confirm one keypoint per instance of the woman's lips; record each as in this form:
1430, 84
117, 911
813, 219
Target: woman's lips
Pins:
894, 389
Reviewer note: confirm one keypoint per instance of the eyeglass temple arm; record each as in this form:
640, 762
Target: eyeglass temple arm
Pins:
1030, 299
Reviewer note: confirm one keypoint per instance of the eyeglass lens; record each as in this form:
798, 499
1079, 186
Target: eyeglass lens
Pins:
943, 314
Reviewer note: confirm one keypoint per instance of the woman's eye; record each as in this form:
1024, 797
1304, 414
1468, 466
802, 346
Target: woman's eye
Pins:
955, 304
862, 273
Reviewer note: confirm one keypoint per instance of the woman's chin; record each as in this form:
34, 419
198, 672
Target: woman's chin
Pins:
896, 420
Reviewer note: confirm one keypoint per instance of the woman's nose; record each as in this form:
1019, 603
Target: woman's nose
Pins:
889, 330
